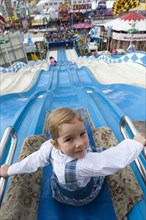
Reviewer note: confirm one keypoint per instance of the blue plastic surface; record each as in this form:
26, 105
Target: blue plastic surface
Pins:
66, 85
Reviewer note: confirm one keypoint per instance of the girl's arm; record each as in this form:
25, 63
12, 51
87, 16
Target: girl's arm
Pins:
29, 164
113, 159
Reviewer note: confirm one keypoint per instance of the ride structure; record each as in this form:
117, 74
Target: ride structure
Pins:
63, 85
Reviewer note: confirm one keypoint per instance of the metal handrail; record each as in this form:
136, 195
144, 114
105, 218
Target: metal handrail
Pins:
126, 120
9, 131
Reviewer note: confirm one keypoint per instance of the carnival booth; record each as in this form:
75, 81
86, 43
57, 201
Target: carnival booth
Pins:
63, 15
128, 28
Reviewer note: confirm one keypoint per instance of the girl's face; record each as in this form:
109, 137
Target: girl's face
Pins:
73, 139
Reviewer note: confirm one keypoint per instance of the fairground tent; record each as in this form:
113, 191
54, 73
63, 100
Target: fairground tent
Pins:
127, 21
127, 28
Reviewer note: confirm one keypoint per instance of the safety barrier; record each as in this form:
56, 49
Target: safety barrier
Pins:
125, 120
9, 131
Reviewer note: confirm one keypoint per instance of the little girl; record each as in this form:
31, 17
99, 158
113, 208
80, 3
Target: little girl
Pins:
114, 51
53, 62
78, 172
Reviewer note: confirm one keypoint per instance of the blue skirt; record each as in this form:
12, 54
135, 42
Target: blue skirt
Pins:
61, 195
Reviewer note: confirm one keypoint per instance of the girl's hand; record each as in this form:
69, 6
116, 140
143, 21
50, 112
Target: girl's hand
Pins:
4, 170
140, 139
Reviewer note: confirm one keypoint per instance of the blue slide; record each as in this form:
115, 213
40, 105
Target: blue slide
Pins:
66, 85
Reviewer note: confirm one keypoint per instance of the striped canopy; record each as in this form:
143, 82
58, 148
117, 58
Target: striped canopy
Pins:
131, 20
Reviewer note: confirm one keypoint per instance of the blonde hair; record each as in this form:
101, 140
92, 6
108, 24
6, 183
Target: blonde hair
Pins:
60, 116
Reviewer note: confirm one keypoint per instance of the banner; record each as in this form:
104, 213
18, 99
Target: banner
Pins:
129, 37
95, 32
82, 6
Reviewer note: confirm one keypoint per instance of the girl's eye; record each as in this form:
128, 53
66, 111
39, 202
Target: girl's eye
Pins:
69, 139
83, 133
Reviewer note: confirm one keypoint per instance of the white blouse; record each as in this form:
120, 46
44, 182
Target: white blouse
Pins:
93, 164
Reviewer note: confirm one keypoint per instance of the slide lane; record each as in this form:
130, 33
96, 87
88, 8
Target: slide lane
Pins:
23, 111
126, 97
69, 94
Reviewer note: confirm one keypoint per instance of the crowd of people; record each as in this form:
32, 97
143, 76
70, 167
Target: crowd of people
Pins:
65, 34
